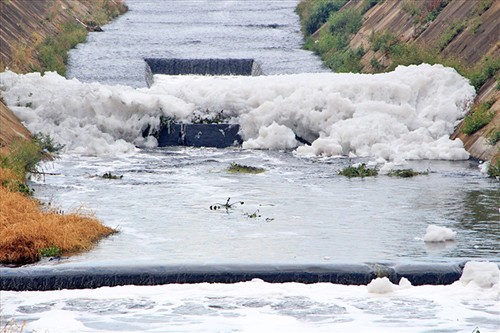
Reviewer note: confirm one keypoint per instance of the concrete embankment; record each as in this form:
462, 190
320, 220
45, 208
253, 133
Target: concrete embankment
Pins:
381, 34
25, 26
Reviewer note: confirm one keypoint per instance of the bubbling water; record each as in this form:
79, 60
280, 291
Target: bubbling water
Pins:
405, 114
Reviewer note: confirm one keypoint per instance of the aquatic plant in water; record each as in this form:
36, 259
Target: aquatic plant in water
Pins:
360, 170
239, 168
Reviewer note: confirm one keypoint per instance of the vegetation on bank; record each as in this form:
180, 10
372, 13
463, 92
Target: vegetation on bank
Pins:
28, 229
50, 53
330, 25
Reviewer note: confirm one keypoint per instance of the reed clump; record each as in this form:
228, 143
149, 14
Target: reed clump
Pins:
26, 229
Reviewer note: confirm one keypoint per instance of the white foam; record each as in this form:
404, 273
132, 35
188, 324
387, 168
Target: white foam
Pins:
405, 114
384, 286
483, 274
257, 306
436, 233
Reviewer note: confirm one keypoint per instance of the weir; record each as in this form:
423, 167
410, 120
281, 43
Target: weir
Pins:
199, 135
25, 279
173, 66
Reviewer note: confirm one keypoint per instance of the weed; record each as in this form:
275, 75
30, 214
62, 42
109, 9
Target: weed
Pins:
382, 41
239, 168
450, 33
360, 170
494, 169
208, 118
254, 215
53, 51
480, 117
493, 136
52, 251
376, 65
109, 175
23, 158
315, 13
227, 206
47, 143
483, 6
405, 173
474, 24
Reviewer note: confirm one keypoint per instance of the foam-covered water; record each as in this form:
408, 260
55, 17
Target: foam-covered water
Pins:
407, 114
298, 211
257, 306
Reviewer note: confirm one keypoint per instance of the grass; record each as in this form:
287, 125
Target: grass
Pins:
405, 173
480, 117
239, 168
360, 170
315, 13
53, 52
493, 136
26, 231
494, 169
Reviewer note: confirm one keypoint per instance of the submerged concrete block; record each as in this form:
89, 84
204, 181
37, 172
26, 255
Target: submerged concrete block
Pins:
199, 135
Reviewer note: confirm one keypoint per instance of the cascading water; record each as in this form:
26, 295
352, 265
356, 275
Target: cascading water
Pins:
298, 213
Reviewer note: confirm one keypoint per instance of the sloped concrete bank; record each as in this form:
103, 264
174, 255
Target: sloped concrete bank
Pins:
21, 279
25, 25
459, 32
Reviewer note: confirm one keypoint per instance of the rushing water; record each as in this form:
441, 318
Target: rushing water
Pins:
298, 211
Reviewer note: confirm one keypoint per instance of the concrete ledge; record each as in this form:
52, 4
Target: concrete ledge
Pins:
172, 66
21, 279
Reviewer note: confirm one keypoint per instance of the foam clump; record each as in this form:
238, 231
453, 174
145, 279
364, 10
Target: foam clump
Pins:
483, 274
384, 285
436, 234
405, 114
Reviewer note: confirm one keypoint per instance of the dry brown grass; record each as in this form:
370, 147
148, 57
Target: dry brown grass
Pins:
25, 229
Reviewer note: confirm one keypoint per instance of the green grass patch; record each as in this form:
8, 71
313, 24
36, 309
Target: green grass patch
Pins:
53, 52
450, 33
23, 158
493, 136
52, 251
360, 170
239, 168
494, 169
480, 117
315, 13
405, 173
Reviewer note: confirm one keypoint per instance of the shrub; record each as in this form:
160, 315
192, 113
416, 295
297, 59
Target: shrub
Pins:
345, 22
494, 169
450, 33
382, 41
480, 117
315, 13
494, 136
